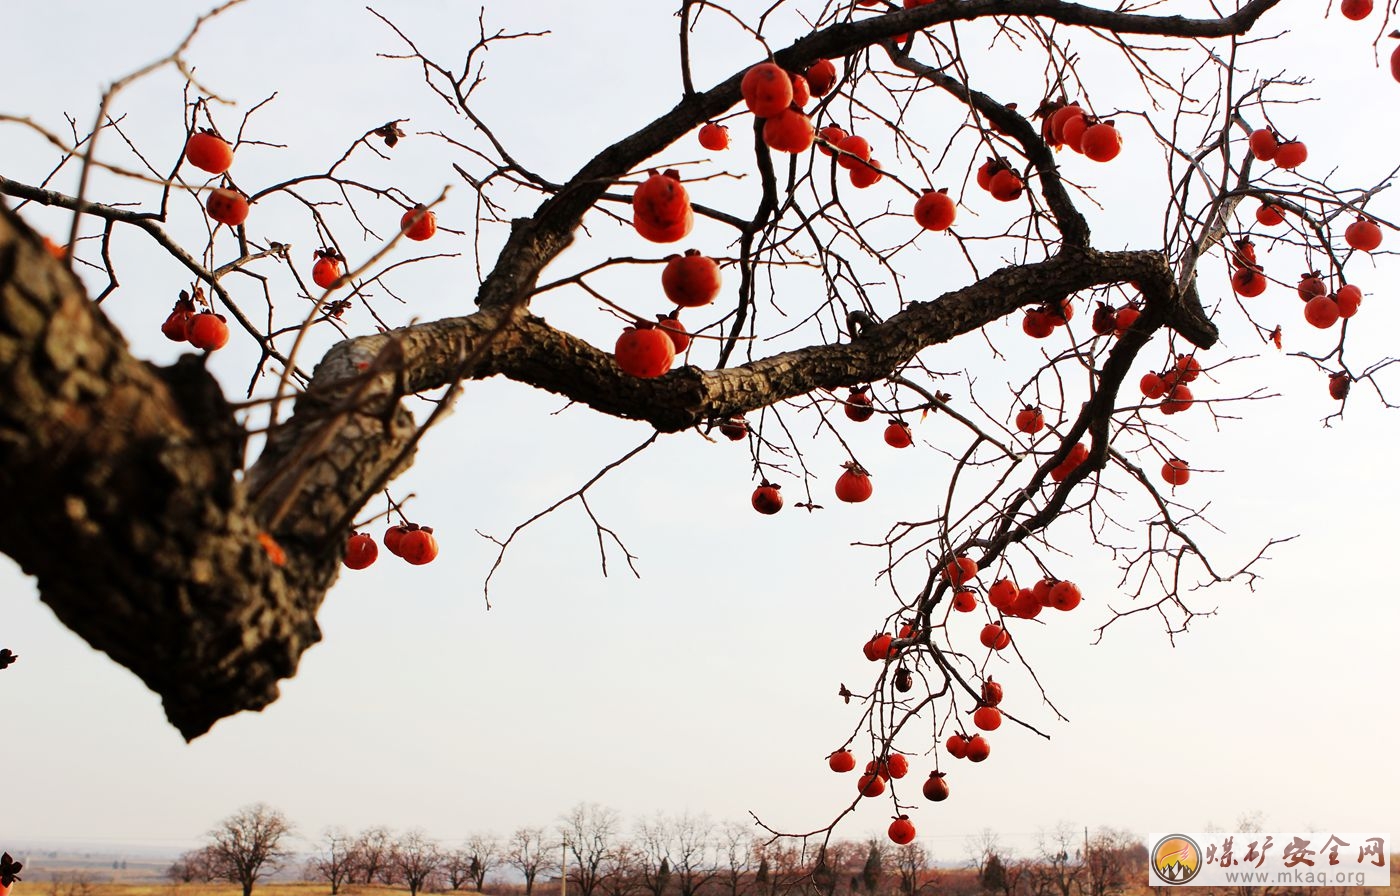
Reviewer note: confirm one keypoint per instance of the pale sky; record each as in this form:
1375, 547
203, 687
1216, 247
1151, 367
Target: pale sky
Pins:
709, 684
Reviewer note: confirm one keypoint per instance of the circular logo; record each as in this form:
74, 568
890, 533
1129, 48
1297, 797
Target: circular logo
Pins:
1176, 859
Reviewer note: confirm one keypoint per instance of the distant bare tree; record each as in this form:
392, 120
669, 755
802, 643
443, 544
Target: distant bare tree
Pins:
693, 852
981, 847
911, 862
249, 845
590, 833
1061, 859
623, 871
781, 867
456, 869
414, 859
735, 845
1108, 862
191, 865
653, 857
528, 853
483, 854
372, 849
336, 861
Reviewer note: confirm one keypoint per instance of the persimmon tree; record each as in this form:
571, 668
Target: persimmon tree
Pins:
844, 271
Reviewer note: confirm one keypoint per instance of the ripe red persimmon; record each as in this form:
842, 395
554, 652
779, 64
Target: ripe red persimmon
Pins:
418, 546
1102, 142
1187, 369
1105, 319
393, 537
902, 830
956, 746
661, 209
1037, 324
987, 171
965, 600
853, 486
841, 761
1268, 215
1076, 126
177, 324
960, 570
870, 784
832, 135
675, 330
691, 280
977, 748
1311, 285
644, 351
227, 206
1001, 594
1244, 255
1061, 117
935, 210
714, 136
936, 787
1349, 300
897, 435
866, 175
207, 331
360, 550
854, 151
325, 273
767, 89
208, 151
1264, 144
1356, 10
1291, 154
821, 77
1176, 472
734, 429
1322, 312
419, 223
1363, 235
1064, 596
767, 499
1338, 385
991, 692
894, 766
994, 637
1152, 386
1030, 420
1248, 282
858, 406
801, 91
1077, 455
1026, 605
1006, 186
1179, 398
1125, 318
878, 647
987, 718
789, 131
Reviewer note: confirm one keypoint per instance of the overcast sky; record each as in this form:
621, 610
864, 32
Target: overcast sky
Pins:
709, 684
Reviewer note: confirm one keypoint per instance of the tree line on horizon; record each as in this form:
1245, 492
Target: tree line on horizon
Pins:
661, 855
